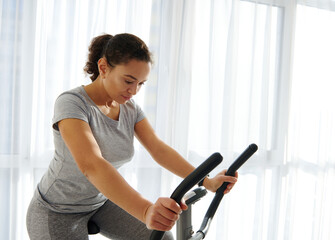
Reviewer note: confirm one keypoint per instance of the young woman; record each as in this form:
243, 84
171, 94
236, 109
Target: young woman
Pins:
94, 127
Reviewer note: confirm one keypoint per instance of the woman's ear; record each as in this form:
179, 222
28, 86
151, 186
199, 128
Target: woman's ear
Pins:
103, 67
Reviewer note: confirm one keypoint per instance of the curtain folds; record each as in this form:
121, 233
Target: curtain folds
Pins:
226, 73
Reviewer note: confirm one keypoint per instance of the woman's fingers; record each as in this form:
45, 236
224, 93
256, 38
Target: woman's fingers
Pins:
163, 214
214, 183
183, 205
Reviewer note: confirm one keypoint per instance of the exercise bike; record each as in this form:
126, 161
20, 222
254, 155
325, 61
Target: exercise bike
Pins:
184, 224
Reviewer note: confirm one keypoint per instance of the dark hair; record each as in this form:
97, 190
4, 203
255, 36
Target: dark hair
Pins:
118, 49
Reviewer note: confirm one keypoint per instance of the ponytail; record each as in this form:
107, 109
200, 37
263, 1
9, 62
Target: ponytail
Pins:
95, 52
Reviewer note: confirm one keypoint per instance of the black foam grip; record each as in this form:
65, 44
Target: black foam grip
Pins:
241, 159
196, 176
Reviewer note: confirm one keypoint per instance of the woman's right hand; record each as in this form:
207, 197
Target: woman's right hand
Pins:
163, 214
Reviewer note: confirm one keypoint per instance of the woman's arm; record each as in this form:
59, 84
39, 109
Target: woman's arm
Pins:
162, 153
168, 158
80, 141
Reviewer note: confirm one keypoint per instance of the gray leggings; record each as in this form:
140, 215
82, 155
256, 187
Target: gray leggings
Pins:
114, 223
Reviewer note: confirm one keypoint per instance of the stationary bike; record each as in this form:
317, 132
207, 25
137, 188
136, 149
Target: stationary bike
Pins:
184, 224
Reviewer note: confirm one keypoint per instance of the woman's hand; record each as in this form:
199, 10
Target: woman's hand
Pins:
163, 214
212, 184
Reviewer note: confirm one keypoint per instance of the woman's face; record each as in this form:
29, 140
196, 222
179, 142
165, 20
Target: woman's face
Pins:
123, 81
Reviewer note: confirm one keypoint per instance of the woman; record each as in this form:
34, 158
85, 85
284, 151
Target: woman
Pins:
93, 128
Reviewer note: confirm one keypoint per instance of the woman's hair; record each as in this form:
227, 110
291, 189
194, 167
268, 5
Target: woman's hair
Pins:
117, 49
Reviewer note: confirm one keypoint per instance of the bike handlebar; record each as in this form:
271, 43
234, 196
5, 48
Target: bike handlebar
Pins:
200, 173
251, 149
196, 176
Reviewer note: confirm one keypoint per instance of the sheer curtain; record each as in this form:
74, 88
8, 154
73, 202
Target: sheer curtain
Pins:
42, 53
227, 73
309, 183
254, 71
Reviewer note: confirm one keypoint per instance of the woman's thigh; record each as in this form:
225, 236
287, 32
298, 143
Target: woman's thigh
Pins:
117, 224
43, 224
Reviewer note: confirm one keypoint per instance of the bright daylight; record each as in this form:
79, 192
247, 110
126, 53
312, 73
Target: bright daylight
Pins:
167, 120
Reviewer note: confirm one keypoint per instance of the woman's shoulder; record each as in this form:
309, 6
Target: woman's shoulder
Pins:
77, 91
71, 100
71, 104
74, 95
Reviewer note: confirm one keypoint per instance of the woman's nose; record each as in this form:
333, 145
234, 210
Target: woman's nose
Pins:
134, 89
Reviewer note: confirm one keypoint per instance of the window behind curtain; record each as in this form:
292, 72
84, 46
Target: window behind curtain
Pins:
10, 42
235, 75
235, 72
237, 50
10, 71
43, 48
311, 139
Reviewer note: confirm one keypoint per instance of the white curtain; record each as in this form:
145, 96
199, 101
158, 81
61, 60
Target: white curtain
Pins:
227, 73
308, 187
43, 50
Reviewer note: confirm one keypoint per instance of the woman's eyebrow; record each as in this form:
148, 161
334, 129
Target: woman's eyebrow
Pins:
130, 76
134, 78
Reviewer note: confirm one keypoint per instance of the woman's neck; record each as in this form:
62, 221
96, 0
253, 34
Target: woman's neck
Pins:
98, 94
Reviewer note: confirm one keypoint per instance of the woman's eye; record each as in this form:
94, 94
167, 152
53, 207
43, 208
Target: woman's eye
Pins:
128, 82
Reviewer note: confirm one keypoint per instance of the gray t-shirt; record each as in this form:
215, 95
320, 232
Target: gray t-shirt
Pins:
64, 188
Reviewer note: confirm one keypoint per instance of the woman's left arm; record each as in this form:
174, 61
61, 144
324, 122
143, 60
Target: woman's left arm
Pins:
162, 153
170, 159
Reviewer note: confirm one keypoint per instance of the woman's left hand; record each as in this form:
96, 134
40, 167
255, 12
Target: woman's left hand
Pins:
212, 184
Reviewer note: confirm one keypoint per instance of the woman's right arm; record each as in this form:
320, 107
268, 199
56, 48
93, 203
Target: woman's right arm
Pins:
79, 139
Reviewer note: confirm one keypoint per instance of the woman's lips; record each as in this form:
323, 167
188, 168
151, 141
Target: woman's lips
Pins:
126, 98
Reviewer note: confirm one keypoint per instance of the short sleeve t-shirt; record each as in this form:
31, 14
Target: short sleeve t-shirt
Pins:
64, 188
